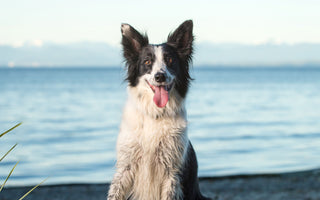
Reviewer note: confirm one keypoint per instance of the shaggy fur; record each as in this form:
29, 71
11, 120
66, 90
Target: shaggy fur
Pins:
155, 159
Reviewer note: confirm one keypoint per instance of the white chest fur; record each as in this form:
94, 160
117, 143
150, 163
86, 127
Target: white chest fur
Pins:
151, 147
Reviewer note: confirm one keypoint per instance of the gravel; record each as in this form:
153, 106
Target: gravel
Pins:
304, 185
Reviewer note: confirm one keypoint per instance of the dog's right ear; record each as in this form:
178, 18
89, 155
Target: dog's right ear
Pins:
132, 42
182, 40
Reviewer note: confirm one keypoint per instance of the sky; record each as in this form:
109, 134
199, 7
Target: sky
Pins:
216, 21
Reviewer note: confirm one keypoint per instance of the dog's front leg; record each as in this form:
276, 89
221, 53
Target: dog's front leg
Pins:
171, 188
121, 184
170, 156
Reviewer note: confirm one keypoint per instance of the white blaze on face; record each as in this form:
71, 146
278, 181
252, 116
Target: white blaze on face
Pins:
159, 65
160, 90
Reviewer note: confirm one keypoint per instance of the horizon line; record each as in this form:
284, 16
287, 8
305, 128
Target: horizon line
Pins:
202, 66
40, 43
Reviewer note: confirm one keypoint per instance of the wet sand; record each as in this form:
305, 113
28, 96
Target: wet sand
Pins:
304, 185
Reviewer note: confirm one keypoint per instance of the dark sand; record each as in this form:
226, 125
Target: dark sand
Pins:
287, 186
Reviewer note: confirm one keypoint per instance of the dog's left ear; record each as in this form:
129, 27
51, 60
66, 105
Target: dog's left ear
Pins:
132, 42
182, 39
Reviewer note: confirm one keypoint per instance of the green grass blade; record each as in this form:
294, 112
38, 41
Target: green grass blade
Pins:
2, 134
8, 152
26, 194
5, 181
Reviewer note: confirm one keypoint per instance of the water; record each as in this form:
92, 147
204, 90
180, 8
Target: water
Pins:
242, 121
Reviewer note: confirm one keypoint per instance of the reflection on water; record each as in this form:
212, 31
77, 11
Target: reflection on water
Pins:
240, 121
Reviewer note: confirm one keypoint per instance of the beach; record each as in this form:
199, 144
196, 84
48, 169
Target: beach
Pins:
303, 185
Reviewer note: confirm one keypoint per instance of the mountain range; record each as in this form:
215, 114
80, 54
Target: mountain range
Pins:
99, 54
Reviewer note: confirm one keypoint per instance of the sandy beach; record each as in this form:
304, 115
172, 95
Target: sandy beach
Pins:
304, 185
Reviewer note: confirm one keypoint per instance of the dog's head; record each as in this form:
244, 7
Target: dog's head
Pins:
161, 70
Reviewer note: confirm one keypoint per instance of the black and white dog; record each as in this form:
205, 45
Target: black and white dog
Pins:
155, 159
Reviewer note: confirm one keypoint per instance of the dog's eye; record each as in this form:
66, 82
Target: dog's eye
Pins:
169, 60
147, 62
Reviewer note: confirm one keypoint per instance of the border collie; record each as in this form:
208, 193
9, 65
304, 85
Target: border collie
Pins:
155, 159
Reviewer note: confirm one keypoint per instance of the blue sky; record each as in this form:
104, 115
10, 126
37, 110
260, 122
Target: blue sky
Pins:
224, 21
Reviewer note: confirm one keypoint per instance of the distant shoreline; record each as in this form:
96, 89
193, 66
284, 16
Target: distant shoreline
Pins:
281, 186
201, 67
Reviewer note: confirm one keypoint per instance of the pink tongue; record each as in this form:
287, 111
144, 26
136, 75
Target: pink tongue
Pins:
161, 96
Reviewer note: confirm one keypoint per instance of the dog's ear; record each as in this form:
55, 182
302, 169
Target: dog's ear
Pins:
132, 42
182, 39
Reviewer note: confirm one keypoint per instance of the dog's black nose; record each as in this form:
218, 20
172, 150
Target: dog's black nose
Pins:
160, 77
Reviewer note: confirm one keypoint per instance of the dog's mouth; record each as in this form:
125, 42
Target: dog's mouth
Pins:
161, 94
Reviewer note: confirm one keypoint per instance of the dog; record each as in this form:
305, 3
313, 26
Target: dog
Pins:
155, 159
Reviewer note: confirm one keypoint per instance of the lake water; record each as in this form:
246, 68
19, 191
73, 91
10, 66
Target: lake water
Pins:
242, 121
